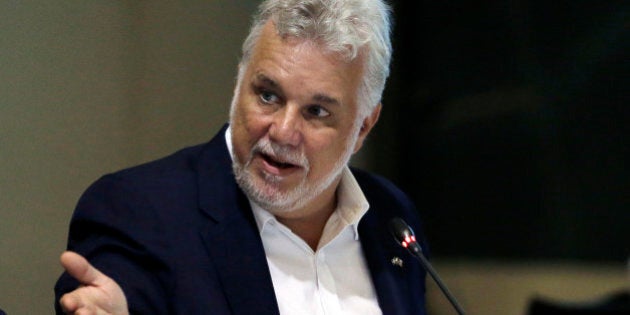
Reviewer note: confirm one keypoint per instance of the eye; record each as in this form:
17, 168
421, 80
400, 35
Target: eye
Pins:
268, 97
317, 111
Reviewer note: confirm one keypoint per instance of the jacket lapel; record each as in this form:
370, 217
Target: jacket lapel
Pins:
245, 275
231, 236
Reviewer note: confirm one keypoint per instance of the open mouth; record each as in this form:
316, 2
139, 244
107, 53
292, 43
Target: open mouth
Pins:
277, 163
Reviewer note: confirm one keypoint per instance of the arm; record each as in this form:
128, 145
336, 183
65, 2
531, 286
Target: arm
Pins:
116, 229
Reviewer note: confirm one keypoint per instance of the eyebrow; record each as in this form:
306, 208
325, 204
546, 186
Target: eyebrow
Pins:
267, 80
323, 98
318, 97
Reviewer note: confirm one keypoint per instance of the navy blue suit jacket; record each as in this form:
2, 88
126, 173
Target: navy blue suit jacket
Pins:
179, 237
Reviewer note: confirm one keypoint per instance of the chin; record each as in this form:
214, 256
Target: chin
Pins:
267, 191
274, 198
278, 194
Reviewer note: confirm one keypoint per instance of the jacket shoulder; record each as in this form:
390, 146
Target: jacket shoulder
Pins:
380, 190
181, 161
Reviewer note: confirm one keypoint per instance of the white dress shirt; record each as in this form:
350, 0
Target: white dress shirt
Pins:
334, 279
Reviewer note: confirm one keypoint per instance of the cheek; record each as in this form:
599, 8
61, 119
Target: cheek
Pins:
256, 126
250, 114
247, 129
247, 118
325, 152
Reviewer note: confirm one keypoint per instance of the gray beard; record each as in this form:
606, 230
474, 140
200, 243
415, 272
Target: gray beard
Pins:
265, 191
266, 195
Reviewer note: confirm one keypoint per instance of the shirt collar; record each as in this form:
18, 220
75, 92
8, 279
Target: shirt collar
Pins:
351, 205
228, 141
351, 202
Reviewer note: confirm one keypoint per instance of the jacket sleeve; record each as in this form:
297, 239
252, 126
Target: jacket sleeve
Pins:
115, 228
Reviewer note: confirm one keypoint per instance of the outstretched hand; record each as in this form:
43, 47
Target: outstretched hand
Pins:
98, 293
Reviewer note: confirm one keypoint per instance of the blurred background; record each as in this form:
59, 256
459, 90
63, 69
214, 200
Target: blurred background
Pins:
505, 121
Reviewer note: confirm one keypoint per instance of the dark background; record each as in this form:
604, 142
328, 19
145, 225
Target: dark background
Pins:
506, 121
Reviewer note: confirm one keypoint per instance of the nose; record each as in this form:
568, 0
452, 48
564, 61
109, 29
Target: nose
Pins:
286, 127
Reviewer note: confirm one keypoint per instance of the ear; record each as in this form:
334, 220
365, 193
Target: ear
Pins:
366, 126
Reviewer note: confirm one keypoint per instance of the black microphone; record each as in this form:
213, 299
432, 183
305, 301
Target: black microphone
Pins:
403, 234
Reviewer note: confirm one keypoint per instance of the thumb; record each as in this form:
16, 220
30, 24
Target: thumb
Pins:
79, 268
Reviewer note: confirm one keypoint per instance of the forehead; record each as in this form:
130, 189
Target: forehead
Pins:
303, 62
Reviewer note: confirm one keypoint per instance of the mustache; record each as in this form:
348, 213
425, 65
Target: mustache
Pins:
281, 153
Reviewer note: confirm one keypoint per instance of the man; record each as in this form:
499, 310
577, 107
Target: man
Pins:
267, 217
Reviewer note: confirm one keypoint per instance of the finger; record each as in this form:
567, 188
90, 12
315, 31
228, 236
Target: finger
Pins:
78, 302
70, 302
80, 269
88, 311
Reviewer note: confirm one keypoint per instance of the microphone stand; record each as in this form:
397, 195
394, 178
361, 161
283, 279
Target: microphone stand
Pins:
417, 252
404, 236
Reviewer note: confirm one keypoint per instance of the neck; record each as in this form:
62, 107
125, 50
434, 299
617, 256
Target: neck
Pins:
308, 223
310, 227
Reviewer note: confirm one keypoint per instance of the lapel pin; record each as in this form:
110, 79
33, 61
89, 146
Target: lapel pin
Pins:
396, 261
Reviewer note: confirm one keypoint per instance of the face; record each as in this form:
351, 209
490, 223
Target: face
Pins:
294, 122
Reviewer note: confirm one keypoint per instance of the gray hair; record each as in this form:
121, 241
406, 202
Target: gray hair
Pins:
343, 26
